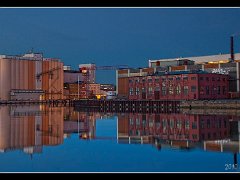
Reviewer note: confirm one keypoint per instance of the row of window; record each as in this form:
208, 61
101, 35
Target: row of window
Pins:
194, 136
214, 124
179, 123
164, 123
177, 79
171, 90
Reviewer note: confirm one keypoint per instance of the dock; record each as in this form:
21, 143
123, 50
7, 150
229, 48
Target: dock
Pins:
118, 106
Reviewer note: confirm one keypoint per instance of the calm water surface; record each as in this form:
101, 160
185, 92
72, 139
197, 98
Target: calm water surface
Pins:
58, 139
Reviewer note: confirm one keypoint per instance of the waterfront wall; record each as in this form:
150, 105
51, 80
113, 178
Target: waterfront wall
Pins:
211, 104
146, 106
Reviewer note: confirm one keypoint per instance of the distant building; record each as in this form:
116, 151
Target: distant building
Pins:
75, 91
215, 64
107, 87
66, 68
220, 58
90, 69
72, 76
220, 64
94, 88
30, 77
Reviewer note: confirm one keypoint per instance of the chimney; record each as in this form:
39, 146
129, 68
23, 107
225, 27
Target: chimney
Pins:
232, 49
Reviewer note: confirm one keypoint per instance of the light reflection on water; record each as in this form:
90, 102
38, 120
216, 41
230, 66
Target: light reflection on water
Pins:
59, 139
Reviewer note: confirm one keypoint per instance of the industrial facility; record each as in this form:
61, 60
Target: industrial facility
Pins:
209, 65
80, 84
215, 76
30, 77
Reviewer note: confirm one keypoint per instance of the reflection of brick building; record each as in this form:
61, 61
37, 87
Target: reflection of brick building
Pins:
175, 127
30, 128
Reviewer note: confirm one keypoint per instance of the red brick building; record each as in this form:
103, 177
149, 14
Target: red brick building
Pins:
178, 86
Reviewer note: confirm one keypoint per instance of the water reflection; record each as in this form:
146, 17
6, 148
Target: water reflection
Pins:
218, 133
30, 128
82, 123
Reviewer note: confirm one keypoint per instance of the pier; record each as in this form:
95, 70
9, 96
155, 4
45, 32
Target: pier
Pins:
57, 102
118, 106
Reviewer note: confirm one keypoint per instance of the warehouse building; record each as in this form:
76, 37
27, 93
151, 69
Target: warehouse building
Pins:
221, 64
178, 86
226, 64
30, 77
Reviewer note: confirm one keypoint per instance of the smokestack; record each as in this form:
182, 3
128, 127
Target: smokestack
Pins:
232, 49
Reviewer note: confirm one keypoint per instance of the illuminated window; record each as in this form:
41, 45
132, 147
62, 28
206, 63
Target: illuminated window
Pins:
171, 89
164, 89
131, 91
179, 124
178, 89
149, 90
171, 123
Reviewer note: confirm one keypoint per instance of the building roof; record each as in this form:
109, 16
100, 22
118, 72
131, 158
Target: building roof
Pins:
202, 59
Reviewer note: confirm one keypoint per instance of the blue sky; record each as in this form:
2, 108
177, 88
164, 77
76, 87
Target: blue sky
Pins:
116, 36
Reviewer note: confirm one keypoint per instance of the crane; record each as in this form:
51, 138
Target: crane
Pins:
86, 72
50, 73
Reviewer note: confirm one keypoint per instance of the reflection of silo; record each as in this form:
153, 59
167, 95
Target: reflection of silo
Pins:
4, 128
52, 126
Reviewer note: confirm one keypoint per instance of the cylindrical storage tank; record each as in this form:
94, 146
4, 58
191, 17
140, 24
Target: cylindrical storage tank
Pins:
5, 81
21, 74
25, 74
31, 75
5, 124
13, 74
